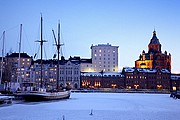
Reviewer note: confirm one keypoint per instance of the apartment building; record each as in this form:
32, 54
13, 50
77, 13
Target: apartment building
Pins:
104, 58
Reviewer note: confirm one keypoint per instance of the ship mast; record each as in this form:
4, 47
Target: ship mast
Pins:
58, 49
41, 44
19, 59
2, 57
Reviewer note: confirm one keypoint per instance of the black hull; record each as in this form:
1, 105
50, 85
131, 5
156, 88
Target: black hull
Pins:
44, 96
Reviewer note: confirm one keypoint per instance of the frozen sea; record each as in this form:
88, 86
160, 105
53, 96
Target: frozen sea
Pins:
104, 106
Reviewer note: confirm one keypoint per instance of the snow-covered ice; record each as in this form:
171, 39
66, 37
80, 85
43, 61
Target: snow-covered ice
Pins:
105, 106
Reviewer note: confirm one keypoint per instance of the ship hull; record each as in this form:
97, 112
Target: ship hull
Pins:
44, 96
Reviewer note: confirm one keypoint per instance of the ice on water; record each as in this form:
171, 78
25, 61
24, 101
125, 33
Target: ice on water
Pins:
105, 106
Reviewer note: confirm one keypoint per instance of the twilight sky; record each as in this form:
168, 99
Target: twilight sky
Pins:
128, 24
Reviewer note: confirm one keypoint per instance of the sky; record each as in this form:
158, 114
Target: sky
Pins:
128, 24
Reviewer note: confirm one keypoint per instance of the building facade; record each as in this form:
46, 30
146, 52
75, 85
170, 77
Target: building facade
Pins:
154, 58
69, 73
96, 80
144, 78
104, 58
16, 71
175, 82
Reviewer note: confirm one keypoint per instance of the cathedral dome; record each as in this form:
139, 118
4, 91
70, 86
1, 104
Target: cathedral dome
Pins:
154, 39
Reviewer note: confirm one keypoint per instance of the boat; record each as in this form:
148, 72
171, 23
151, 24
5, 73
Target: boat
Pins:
41, 94
37, 96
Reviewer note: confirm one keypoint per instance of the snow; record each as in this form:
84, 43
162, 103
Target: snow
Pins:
105, 106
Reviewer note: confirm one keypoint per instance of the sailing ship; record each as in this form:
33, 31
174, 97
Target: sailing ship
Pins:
42, 94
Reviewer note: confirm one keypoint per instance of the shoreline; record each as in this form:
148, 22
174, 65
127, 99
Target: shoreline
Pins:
121, 91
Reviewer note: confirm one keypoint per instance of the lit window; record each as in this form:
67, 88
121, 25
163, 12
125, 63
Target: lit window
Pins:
100, 50
95, 54
28, 59
23, 59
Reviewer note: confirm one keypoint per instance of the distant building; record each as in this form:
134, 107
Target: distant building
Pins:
144, 78
132, 78
13, 68
85, 64
95, 80
154, 58
175, 81
104, 58
69, 73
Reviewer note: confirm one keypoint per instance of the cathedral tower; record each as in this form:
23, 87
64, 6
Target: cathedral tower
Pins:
154, 58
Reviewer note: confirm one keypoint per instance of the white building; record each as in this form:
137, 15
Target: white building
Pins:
104, 57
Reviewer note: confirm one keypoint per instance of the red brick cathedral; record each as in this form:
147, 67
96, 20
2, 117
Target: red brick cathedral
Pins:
154, 58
